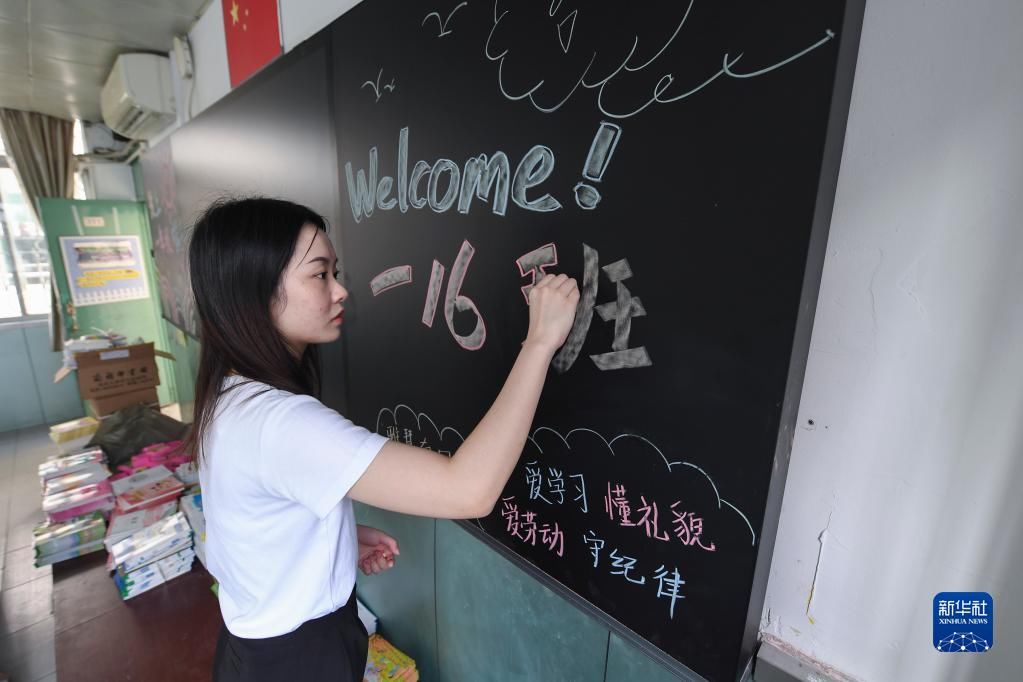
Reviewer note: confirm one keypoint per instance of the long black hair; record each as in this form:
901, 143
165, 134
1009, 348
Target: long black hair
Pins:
239, 251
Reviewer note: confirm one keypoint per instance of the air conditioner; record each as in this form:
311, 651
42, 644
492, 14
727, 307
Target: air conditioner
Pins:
138, 98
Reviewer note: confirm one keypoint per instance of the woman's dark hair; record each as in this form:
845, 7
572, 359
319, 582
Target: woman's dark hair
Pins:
239, 251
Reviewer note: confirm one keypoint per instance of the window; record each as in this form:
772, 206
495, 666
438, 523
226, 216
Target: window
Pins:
24, 258
25, 261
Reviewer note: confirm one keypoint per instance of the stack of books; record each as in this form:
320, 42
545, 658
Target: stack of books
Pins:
169, 455
76, 493
146, 489
59, 541
191, 507
152, 556
69, 464
85, 475
125, 524
63, 506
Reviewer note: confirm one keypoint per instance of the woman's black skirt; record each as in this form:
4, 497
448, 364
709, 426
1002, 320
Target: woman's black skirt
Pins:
333, 647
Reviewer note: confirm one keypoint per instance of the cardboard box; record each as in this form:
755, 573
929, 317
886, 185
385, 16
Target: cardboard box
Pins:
101, 407
103, 373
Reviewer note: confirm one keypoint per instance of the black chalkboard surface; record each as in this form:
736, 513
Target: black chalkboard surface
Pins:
672, 157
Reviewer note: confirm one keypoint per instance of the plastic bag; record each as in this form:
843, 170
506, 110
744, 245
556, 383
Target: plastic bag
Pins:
128, 430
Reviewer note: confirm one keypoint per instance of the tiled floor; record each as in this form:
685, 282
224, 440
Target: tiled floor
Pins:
73, 613
27, 651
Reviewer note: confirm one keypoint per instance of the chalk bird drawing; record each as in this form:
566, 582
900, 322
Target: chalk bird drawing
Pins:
375, 85
443, 24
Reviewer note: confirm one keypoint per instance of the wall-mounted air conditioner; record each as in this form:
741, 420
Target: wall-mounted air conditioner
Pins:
138, 98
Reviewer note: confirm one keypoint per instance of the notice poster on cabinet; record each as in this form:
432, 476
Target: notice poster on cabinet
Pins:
104, 269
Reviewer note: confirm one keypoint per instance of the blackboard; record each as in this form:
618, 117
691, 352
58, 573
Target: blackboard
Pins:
170, 238
678, 159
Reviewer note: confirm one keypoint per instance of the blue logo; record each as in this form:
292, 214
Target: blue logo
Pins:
964, 622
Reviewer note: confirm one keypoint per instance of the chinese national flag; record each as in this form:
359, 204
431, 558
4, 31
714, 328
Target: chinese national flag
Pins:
253, 36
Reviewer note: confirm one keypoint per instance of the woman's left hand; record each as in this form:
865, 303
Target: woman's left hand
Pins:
377, 550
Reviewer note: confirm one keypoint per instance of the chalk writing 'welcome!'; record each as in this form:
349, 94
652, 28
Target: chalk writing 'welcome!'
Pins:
443, 184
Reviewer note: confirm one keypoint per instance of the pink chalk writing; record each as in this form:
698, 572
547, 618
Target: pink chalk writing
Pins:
615, 503
688, 528
524, 525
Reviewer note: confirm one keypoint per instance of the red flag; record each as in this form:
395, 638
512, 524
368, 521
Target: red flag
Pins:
253, 36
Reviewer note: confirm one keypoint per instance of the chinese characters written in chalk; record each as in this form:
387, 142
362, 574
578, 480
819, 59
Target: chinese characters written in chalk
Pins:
405, 435
552, 489
533, 265
621, 311
669, 582
686, 526
526, 526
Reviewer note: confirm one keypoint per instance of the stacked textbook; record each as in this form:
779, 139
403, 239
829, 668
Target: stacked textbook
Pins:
62, 540
69, 464
146, 489
67, 504
152, 556
75, 494
191, 507
125, 524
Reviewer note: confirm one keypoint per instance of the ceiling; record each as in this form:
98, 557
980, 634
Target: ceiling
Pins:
55, 54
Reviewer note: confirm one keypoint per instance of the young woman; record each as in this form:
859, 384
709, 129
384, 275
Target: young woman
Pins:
279, 469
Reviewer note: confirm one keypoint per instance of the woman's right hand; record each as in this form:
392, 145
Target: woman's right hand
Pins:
552, 306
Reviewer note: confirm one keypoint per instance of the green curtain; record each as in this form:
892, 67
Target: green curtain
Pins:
40, 150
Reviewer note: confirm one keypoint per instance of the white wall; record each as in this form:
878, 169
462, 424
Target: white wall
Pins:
905, 484
301, 19
209, 58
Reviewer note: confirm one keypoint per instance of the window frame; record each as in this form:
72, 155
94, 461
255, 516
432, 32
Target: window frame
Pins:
25, 318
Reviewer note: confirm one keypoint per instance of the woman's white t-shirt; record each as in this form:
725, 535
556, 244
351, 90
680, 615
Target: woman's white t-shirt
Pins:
280, 531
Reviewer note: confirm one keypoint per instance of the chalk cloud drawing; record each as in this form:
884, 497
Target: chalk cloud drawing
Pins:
405, 424
577, 54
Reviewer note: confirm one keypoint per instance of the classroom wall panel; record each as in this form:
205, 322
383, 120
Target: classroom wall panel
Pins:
404, 598
626, 663
496, 622
19, 407
186, 367
59, 402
